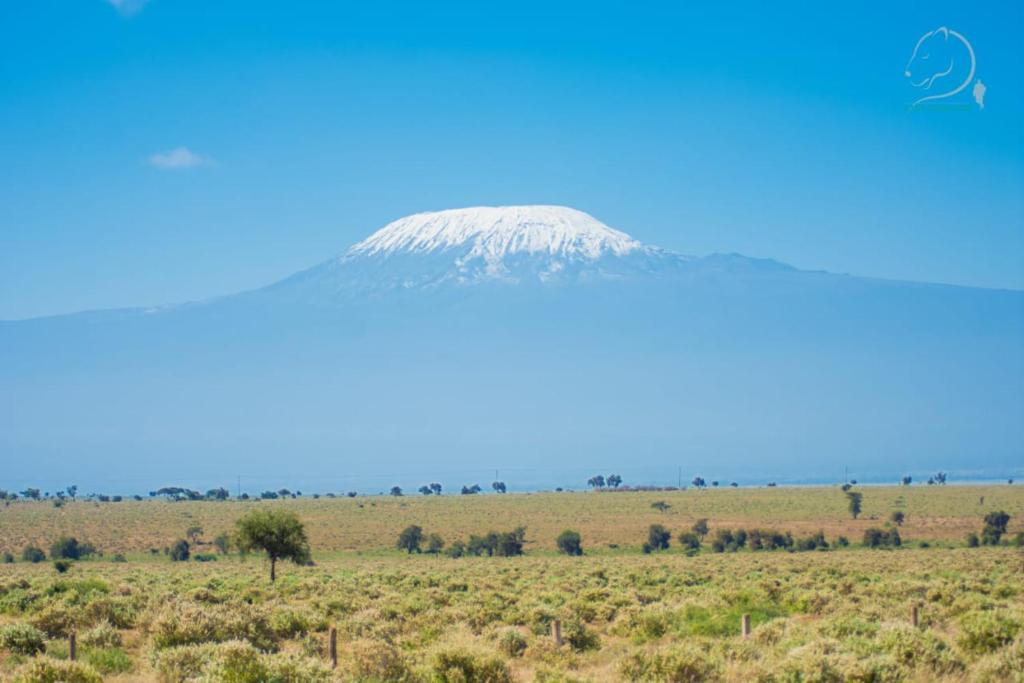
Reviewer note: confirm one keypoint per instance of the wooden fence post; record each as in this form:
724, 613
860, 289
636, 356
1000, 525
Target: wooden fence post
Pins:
745, 626
333, 648
913, 616
72, 647
556, 632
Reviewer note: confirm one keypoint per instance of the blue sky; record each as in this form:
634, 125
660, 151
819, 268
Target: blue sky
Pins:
782, 133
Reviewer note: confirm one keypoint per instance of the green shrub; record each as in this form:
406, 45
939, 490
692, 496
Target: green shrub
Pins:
62, 566
32, 554
680, 664
179, 551
972, 540
65, 548
456, 665
22, 639
984, 632
579, 637
46, 670
109, 661
881, 538
512, 642
101, 635
570, 542
370, 660
8, 558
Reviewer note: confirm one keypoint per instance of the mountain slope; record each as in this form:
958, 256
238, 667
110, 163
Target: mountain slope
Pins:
531, 339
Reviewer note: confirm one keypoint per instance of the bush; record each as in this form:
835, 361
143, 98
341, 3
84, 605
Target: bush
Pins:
972, 540
46, 670
112, 661
881, 538
410, 538
512, 642
689, 541
570, 543
984, 632
8, 558
367, 660
995, 527
62, 566
580, 638
32, 554
22, 639
658, 537
681, 664
65, 548
180, 551
463, 666
101, 635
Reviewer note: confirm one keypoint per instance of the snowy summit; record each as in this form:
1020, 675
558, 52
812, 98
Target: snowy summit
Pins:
506, 244
495, 232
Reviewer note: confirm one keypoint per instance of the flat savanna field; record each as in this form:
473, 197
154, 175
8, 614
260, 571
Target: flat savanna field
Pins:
842, 614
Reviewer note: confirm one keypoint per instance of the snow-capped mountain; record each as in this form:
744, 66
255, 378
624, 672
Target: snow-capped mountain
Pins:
535, 337
506, 244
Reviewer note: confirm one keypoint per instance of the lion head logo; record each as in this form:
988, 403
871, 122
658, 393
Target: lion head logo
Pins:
943, 61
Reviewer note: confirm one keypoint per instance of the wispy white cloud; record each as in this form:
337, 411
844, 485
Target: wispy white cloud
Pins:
127, 7
178, 158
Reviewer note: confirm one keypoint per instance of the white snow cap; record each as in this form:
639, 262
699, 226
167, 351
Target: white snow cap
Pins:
496, 231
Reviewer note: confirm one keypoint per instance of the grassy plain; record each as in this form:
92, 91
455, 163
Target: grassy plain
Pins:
369, 524
817, 616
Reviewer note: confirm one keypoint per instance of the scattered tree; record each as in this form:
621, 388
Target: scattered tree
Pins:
471, 490
499, 486
32, 554
689, 541
570, 542
906, 481
222, 543
65, 548
881, 538
897, 517
426, 490
436, 488
854, 500
614, 480
410, 538
31, 494
180, 551
698, 482
658, 538
596, 482
995, 527
700, 527
72, 491
434, 544
396, 491
278, 533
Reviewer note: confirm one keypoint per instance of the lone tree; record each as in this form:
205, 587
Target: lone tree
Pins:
396, 490
995, 527
570, 542
436, 488
499, 487
854, 499
596, 482
180, 551
614, 481
658, 538
699, 482
278, 533
410, 538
